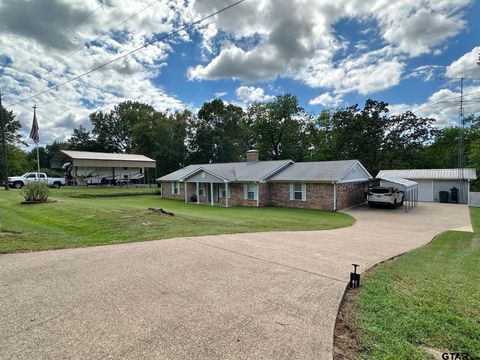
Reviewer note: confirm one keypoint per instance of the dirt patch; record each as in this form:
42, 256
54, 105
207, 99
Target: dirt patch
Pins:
346, 341
161, 212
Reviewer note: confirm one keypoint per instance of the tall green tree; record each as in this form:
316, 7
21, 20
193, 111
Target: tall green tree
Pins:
14, 142
217, 133
279, 127
163, 138
350, 133
406, 136
113, 131
83, 140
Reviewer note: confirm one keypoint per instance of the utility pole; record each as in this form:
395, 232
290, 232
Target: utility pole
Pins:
4, 144
461, 157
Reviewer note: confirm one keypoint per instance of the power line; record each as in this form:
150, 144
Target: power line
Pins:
442, 100
183, 28
115, 26
50, 44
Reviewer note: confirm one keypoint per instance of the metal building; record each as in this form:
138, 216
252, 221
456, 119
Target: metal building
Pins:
432, 182
88, 168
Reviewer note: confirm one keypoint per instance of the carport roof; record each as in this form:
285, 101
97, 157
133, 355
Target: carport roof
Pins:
430, 174
100, 158
405, 183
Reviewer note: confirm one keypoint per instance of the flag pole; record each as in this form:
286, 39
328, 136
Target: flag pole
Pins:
36, 142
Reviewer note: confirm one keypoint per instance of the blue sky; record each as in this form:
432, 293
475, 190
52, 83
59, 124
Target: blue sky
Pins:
328, 54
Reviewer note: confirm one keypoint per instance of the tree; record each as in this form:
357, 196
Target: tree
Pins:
13, 141
113, 130
406, 135
82, 140
278, 128
217, 133
162, 137
350, 133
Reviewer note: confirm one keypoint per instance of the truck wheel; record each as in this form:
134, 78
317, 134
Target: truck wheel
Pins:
18, 185
56, 185
370, 204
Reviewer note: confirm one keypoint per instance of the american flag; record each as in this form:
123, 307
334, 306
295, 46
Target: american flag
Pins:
34, 135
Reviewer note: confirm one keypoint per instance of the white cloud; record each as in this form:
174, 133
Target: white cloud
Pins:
443, 105
248, 94
296, 39
220, 94
326, 99
36, 63
466, 65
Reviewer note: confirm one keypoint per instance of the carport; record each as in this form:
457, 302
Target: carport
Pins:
410, 188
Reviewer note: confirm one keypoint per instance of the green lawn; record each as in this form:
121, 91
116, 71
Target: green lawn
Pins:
427, 298
95, 216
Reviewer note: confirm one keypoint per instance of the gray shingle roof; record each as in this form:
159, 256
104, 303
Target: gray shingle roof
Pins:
238, 171
315, 171
430, 174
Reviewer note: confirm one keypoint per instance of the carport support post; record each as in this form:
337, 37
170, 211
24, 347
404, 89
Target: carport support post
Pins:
185, 189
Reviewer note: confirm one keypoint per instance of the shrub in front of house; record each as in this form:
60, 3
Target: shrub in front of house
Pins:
36, 191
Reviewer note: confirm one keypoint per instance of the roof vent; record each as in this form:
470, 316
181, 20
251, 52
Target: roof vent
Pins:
252, 155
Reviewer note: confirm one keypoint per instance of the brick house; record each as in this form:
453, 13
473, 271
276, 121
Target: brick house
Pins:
323, 185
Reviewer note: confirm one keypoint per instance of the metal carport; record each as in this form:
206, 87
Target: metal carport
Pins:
410, 188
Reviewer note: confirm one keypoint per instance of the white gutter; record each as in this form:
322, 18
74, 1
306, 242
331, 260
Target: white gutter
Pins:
258, 194
334, 195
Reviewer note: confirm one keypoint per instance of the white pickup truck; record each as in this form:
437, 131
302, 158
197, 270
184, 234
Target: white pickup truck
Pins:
18, 182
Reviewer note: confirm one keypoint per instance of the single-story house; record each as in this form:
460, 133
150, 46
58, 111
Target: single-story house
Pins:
99, 167
325, 185
433, 181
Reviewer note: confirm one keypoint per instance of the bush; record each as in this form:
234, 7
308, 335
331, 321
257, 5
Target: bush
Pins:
35, 191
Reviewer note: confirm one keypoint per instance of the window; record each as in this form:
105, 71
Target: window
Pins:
176, 188
298, 192
42, 176
250, 191
31, 176
201, 189
222, 193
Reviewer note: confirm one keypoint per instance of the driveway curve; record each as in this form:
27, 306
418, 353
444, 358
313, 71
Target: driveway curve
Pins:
271, 295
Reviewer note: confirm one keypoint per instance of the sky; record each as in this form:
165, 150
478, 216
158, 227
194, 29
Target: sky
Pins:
330, 54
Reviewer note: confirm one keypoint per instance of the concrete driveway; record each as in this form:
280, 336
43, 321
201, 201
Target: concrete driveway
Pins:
245, 296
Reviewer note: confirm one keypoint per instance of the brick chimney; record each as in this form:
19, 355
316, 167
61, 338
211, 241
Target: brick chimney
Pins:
252, 155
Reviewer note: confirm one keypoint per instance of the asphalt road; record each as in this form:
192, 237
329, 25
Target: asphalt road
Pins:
244, 296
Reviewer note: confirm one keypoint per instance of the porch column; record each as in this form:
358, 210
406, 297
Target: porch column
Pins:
226, 194
185, 185
198, 196
211, 193
258, 194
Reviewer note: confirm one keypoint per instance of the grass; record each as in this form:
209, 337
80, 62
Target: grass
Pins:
97, 216
429, 298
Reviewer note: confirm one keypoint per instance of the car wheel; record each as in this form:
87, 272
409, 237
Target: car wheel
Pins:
370, 204
18, 185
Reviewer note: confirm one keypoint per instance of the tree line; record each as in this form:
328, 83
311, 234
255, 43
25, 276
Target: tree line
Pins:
278, 129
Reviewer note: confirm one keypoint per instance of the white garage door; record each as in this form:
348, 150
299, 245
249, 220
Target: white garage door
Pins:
425, 190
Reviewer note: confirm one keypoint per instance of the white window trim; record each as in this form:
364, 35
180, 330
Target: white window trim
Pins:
173, 188
255, 191
222, 191
292, 192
